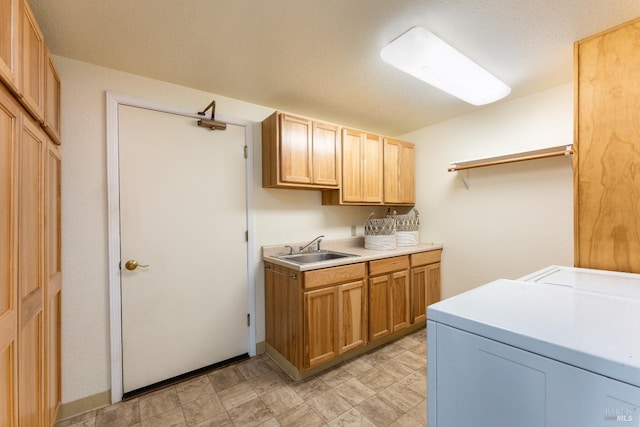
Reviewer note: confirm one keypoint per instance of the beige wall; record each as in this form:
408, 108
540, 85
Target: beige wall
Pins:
515, 218
278, 216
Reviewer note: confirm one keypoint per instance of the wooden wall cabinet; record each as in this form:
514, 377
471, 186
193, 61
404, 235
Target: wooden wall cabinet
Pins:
607, 145
362, 170
389, 297
425, 283
32, 63
52, 90
9, 43
299, 153
399, 172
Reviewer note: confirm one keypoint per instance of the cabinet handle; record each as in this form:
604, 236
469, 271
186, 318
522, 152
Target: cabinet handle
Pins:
293, 276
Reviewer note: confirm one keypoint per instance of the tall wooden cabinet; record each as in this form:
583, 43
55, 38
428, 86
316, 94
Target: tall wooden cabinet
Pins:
9, 134
30, 250
607, 146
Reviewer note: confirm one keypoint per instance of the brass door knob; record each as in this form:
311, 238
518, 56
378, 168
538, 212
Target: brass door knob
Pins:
132, 264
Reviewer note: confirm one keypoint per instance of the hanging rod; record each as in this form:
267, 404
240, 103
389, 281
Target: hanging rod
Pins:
561, 150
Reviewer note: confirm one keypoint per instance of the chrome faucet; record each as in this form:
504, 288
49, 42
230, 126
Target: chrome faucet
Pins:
317, 239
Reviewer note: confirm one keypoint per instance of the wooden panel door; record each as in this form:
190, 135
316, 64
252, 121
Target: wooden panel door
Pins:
9, 133
9, 42
326, 154
392, 153
351, 316
30, 275
400, 300
399, 172
372, 173
53, 289
434, 284
52, 89
32, 66
321, 325
379, 307
407, 173
607, 175
295, 149
351, 166
418, 294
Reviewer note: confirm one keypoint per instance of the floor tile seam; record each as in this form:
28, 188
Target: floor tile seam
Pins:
379, 394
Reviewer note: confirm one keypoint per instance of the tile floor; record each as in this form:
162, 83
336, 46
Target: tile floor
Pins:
385, 387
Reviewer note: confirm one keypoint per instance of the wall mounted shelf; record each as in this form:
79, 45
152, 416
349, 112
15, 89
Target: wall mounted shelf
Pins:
560, 150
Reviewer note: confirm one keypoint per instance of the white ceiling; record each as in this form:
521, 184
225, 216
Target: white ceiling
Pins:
320, 58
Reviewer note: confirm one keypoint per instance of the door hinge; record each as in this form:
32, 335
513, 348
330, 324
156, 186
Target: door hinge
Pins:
246, 236
248, 319
246, 152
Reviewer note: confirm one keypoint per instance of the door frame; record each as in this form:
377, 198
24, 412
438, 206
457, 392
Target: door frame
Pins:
113, 101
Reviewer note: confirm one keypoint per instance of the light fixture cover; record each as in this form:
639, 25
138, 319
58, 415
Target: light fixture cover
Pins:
423, 55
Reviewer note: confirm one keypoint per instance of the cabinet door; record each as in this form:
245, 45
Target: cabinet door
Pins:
607, 194
379, 307
321, 325
407, 173
418, 294
295, 150
32, 67
9, 42
399, 300
53, 291
399, 172
351, 316
351, 166
326, 154
433, 283
9, 131
392, 154
30, 275
282, 312
52, 90
372, 169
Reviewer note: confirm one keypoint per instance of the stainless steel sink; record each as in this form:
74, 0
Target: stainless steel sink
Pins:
310, 257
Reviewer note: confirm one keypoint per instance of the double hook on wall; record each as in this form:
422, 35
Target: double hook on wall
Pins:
211, 123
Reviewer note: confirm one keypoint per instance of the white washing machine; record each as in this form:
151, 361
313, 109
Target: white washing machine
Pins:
557, 348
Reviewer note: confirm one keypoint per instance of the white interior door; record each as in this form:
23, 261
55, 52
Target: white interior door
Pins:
182, 213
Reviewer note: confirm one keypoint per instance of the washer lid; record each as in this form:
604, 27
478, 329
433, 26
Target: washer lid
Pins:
596, 331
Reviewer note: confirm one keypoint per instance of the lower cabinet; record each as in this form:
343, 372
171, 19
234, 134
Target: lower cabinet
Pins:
425, 283
389, 298
334, 321
320, 317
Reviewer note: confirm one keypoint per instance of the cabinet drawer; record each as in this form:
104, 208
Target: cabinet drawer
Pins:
333, 275
423, 258
388, 265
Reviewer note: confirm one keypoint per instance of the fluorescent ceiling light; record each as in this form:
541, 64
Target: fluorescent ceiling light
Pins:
423, 55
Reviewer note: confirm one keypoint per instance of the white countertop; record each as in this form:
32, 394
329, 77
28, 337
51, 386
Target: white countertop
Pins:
353, 246
580, 324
